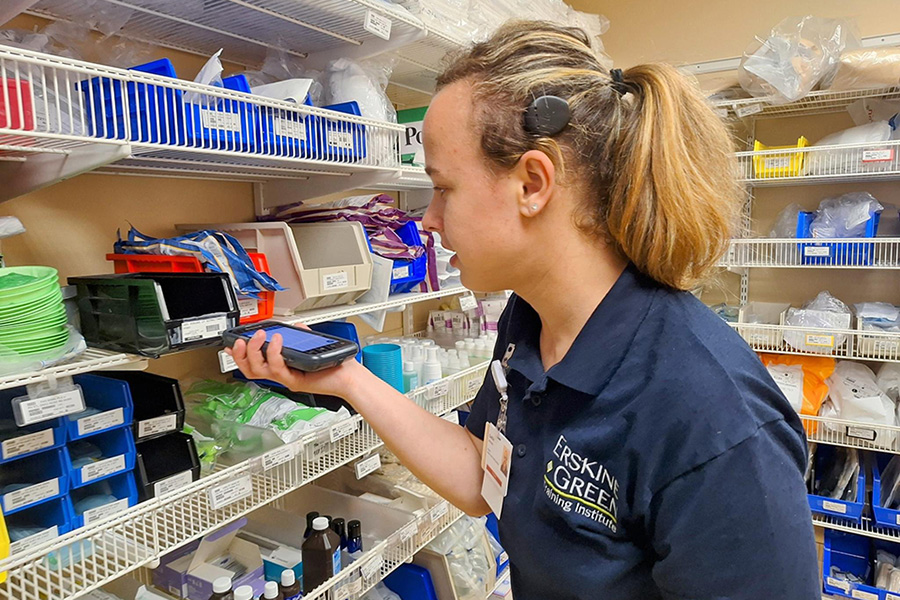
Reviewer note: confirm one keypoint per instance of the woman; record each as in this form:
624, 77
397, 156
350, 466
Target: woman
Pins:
653, 456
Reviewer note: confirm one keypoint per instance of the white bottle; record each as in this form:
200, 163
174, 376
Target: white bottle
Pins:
452, 353
464, 360
244, 592
453, 366
410, 377
271, 590
432, 369
470, 346
479, 353
418, 359
444, 359
460, 345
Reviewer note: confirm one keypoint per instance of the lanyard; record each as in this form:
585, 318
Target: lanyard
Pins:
500, 381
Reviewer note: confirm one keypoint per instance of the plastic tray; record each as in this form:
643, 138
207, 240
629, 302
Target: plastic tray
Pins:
118, 455
341, 141
166, 458
53, 517
158, 403
27, 441
408, 274
885, 517
122, 487
842, 509
155, 313
252, 309
111, 397
853, 254
854, 554
16, 94
47, 476
779, 165
288, 133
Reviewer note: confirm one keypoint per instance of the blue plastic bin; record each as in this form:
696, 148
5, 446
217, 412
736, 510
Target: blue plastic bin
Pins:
493, 528
885, 517
53, 518
842, 509
118, 455
19, 442
411, 582
226, 124
122, 487
45, 476
854, 554
111, 397
340, 141
284, 132
853, 254
408, 274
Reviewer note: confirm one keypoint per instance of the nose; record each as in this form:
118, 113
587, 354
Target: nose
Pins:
433, 219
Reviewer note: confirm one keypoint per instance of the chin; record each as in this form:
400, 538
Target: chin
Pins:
478, 283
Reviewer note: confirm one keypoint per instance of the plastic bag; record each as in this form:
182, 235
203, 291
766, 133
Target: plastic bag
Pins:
210, 74
879, 131
815, 371
839, 481
823, 312
799, 53
471, 564
828, 162
289, 90
786, 223
364, 83
878, 316
380, 592
870, 110
856, 396
865, 68
888, 380
845, 216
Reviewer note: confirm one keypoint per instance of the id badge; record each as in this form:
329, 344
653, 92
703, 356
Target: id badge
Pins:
496, 460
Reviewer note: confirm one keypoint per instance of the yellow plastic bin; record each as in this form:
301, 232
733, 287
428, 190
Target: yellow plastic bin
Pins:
770, 166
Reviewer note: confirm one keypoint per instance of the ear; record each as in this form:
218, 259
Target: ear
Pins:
535, 177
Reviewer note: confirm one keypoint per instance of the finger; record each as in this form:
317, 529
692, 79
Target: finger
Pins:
277, 366
255, 357
302, 326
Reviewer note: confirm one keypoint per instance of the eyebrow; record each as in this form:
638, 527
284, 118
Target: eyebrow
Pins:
431, 171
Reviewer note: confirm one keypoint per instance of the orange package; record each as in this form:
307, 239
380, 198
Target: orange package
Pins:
816, 369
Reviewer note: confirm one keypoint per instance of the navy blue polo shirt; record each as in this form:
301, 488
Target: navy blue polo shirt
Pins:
658, 459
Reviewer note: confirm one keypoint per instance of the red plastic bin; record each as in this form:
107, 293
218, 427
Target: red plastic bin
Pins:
264, 307
14, 115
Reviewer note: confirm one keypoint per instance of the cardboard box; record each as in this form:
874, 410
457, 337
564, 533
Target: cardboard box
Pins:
191, 574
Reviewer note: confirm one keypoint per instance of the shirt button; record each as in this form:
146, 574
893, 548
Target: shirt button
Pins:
520, 450
536, 399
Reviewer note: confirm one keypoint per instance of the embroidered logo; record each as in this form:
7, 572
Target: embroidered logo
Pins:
582, 486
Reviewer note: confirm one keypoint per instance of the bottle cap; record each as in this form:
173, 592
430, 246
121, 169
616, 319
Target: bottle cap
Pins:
310, 516
409, 366
338, 526
354, 529
432, 354
320, 523
460, 345
245, 592
222, 585
288, 578
271, 590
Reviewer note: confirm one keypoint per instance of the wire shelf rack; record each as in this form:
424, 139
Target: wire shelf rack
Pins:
70, 565
854, 344
818, 253
91, 359
852, 434
816, 103
867, 527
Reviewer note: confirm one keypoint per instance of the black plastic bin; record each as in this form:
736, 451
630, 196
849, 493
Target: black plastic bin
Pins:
170, 460
155, 313
158, 403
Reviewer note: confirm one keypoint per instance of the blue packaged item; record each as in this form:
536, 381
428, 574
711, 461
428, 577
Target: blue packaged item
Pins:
341, 141
852, 254
19, 442
284, 132
34, 480
411, 582
116, 455
850, 510
102, 499
848, 565
341, 329
39, 524
108, 406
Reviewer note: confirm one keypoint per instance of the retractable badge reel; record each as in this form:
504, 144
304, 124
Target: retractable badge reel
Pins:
496, 458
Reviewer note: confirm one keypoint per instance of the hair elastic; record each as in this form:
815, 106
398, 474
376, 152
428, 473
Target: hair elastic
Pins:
620, 85
546, 116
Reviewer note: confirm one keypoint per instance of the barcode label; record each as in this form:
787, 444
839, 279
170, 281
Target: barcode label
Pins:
378, 25
30, 495
249, 307
104, 420
276, 457
367, 466
816, 251
884, 155
438, 390
213, 119
750, 109
34, 540
340, 139
202, 329
103, 468
35, 410
226, 363
468, 302
400, 272
101, 512
409, 531
839, 583
341, 430
777, 162
335, 281
822, 341
157, 425
172, 484
26, 444
863, 595
861, 433
371, 568
834, 507
439, 511
472, 387
289, 128
231, 492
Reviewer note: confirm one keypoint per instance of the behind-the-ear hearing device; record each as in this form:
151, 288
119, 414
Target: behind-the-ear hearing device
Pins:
546, 116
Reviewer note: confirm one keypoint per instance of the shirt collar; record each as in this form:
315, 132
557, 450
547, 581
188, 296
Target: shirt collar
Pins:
599, 348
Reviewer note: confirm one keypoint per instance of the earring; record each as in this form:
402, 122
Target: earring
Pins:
534, 207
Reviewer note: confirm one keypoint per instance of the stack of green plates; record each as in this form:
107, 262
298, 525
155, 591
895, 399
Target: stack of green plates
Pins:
32, 314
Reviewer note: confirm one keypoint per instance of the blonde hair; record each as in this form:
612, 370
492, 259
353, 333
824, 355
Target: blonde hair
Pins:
652, 162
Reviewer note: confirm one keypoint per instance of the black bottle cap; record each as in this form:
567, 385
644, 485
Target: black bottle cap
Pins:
354, 529
310, 516
338, 526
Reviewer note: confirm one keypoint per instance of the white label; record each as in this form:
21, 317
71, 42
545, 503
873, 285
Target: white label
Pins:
891, 597
367, 465
157, 425
34, 540
824, 341
30, 495
816, 251
104, 420
834, 507
249, 307
340, 139
863, 595
721, 112
862, 433
276, 457
371, 568
229, 493
468, 302
335, 281
214, 119
27, 443
437, 390
472, 387
409, 531
439, 511
897, 519
202, 329
884, 155
101, 512
172, 484
349, 589
777, 162
750, 109
103, 468
452, 417
318, 449
51, 407
400, 272
226, 363
758, 338
378, 25
791, 385
503, 557
289, 128
839, 583
343, 429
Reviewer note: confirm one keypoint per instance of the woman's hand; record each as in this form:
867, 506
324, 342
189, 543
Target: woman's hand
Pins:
250, 359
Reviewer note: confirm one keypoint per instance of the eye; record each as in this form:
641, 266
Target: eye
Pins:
439, 190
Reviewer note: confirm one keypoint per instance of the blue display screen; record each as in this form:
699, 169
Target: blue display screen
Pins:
294, 339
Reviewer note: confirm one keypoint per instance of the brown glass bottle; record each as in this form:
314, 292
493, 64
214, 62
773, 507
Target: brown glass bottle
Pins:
321, 555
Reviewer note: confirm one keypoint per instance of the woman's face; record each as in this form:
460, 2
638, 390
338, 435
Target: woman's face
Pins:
475, 210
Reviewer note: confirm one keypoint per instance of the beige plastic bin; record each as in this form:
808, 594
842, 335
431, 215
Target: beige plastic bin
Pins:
320, 264
772, 313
